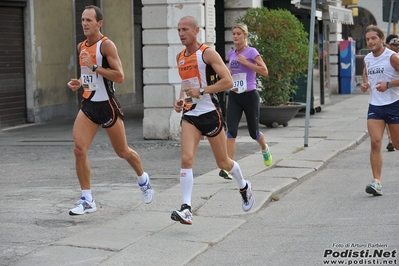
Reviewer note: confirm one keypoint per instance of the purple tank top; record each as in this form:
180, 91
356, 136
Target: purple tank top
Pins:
250, 54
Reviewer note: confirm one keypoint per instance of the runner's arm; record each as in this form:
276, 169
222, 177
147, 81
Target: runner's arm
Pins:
225, 81
395, 64
115, 70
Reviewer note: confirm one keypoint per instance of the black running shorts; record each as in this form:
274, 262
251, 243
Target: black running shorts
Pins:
210, 124
103, 113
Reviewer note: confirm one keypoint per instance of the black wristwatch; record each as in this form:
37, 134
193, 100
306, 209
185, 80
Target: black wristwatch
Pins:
94, 67
201, 90
389, 85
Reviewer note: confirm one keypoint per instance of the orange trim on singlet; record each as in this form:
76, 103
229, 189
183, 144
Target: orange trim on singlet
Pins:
194, 66
92, 50
188, 65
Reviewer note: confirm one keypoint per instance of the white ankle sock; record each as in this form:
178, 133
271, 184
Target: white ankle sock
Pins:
267, 149
142, 180
86, 193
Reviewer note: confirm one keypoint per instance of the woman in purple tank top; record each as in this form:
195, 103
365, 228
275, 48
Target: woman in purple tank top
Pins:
244, 63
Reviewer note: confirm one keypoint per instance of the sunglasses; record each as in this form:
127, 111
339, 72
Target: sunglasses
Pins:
395, 44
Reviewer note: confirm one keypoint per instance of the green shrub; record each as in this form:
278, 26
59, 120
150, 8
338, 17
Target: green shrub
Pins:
283, 43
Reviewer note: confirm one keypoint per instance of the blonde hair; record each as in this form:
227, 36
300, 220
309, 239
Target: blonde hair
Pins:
244, 29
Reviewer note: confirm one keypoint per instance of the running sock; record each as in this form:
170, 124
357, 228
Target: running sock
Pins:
86, 193
267, 149
186, 184
237, 174
142, 180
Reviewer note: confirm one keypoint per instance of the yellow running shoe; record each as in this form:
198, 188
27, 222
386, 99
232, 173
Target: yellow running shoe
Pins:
267, 158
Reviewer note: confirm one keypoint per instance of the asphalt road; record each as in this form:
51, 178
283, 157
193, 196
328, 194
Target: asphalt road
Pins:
327, 218
38, 184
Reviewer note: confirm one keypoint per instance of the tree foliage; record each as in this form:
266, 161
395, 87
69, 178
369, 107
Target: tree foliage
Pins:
283, 43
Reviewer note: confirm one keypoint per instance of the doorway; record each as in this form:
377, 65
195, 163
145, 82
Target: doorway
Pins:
12, 64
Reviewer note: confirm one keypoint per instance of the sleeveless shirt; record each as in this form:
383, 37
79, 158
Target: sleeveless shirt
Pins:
96, 87
194, 70
250, 54
379, 69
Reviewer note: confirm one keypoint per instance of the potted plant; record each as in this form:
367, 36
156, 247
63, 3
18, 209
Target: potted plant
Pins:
283, 43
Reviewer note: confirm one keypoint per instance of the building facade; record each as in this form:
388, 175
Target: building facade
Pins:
366, 12
38, 56
38, 52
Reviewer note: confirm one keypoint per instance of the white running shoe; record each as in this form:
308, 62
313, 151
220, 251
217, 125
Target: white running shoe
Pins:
184, 215
248, 199
83, 206
147, 190
374, 188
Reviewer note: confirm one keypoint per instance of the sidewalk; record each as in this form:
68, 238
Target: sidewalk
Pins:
148, 236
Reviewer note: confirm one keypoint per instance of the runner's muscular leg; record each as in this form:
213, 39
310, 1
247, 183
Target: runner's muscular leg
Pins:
117, 136
190, 138
219, 149
387, 130
83, 134
394, 134
376, 131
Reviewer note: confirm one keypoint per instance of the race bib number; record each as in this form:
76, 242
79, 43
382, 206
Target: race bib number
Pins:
240, 83
89, 79
188, 84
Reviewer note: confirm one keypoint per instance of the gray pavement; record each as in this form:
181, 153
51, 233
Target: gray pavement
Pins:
125, 231
328, 213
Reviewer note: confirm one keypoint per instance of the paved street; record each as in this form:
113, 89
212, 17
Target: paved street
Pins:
320, 197
329, 212
38, 184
